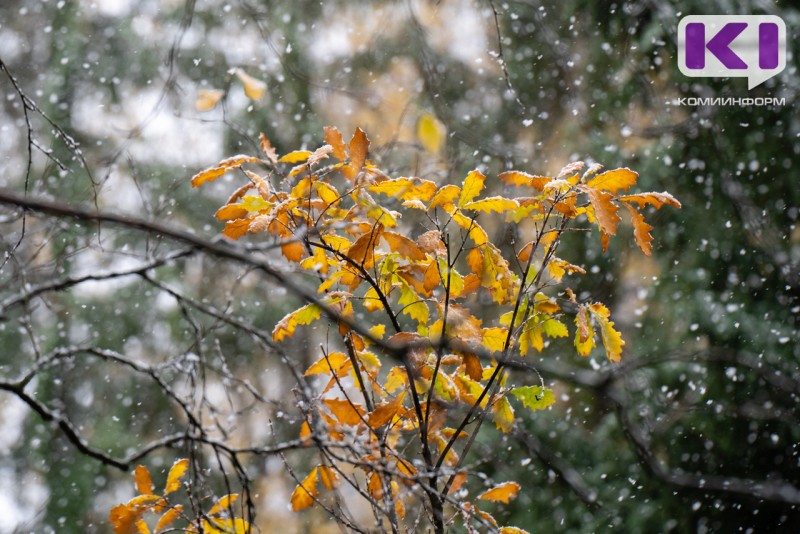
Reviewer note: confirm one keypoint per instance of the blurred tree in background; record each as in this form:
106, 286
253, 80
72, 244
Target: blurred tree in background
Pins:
105, 105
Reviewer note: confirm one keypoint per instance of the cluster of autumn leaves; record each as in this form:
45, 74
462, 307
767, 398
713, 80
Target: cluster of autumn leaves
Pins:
339, 218
130, 518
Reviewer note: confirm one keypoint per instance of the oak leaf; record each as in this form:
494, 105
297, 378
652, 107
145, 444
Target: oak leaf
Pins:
534, 397
305, 492
334, 138
223, 504
472, 187
168, 518
614, 181
177, 470
228, 164
301, 316
641, 230
207, 99
144, 484
605, 211
384, 412
496, 204
654, 199
519, 178
501, 493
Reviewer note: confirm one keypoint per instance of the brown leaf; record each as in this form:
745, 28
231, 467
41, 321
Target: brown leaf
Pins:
384, 412
403, 245
359, 148
267, 149
334, 138
523, 178
641, 230
605, 211
362, 251
224, 166
472, 365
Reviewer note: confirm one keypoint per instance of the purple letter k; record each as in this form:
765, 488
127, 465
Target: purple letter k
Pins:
719, 45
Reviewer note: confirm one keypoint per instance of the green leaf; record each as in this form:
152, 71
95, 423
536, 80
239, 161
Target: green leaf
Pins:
534, 397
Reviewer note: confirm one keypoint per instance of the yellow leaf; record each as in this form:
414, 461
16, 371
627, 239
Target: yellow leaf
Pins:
512, 530
503, 415
305, 492
554, 328
223, 504
396, 379
501, 493
412, 305
496, 204
329, 477
445, 196
531, 337
359, 148
327, 365
472, 187
379, 330
253, 87
494, 339
654, 199
641, 230
431, 133
143, 502
384, 412
406, 188
207, 99
212, 173
226, 526
168, 518
612, 340
558, 268
614, 181
141, 527
302, 316
346, 412
144, 484
177, 470
296, 156
605, 211
334, 138
326, 192
123, 519
476, 231
584, 336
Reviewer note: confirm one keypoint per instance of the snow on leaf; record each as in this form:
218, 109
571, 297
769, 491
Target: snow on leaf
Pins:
384, 412
501, 493
431, 133
144, 484
327, 365
177, 470
253, 87
605, 211
123, 519
212, 173
226, 526
496, 204
534, 397
305, 492
641, 230
406, 188
472, 187
614, 181
570, 169
512, 530
207, 99
223, 504
654, 199
301, 316
296, 156
612, 340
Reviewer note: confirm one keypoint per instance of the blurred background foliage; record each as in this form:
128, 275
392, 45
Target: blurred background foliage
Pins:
696, 431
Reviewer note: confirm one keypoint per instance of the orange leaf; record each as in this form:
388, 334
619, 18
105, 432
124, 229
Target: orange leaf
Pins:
501, 493
359, 148
384, 412
362, 251
375, 485
230, 212
267, 149
168, 518
177, 470
403, 245
346, 412
334, 138
236, 228
525, 253
604, 210
654, 199
523, 178
293, 251
472, 365
512, 530
305, 492
641, 230
224, 166
123, 519
144, 484
396, 379
328, 476
614, 181
472, 187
